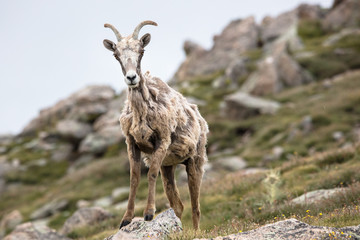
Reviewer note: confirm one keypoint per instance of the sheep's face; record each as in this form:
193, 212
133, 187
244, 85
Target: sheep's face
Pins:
129, 52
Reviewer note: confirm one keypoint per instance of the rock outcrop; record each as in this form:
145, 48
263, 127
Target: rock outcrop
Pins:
242, 105
293, 229
344, 14
84, 105
10, 221
49, 209
238, 37
85, 217
29, 231
317, 195
163, 224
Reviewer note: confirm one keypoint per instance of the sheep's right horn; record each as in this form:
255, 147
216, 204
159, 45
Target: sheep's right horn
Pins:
117, 34
135, 34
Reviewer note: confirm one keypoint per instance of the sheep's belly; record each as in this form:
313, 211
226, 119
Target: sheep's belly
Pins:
172, 159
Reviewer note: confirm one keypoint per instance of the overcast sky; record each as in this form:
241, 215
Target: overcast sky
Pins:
50, 49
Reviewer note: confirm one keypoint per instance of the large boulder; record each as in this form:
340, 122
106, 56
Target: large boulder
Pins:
238, 37
272, 28
344, 14
277, 69
310, 12
30, 231
232, 163
84, 217
49, 209
98, 142
317, 195
242, 105
292, 229
73, 129
10, 221
84, 105
163, 224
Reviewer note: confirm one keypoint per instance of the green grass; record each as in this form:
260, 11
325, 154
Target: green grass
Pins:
331, 60
308, 29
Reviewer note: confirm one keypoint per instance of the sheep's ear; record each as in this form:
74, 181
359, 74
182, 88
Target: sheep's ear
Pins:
109, 45
145, 40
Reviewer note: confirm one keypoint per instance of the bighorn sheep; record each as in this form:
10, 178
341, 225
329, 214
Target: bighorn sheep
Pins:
158, 122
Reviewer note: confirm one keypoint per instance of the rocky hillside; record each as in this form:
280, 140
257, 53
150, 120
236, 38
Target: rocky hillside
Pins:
282, 99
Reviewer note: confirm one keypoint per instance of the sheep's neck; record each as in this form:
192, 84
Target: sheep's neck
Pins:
138, 99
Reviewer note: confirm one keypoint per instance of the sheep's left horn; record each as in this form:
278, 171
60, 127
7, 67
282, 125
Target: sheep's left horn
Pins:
135, 34
117, 34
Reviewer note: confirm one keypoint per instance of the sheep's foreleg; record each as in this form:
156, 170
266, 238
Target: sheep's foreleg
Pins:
135, 171
155, 164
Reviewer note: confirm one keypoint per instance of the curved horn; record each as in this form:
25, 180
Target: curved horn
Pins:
135, 34
117, 34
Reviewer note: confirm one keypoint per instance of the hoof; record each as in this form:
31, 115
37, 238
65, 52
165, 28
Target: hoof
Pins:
124, 223
148, 217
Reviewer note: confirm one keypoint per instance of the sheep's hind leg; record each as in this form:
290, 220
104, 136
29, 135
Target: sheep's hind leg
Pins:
172, 192
195, 174
135, 172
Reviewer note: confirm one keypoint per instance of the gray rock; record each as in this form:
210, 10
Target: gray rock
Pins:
111, 118
83, 160
238, 37
121, 205
98, 142
2, 185
83, 105
10, 221
276, 154
3, 149
192, 47
103, 202
306, 124
356, 134
84, 217
265, 79
250, 171
62, 152
242, 105
6, 139
38, 144
28, 231
5, 167
317, 195
310, 12
117, 192
277, 69
344, 14
49, 209
93, 143
88, 112
82, 203
338, 136
292, 229
273, 28
233, 163
196, 101
73, 129
337, 36
159, 228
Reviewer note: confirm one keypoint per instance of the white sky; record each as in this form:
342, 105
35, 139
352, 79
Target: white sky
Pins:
50, 49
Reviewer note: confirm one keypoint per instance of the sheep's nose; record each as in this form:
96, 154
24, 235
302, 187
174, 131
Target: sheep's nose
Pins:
131, 77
